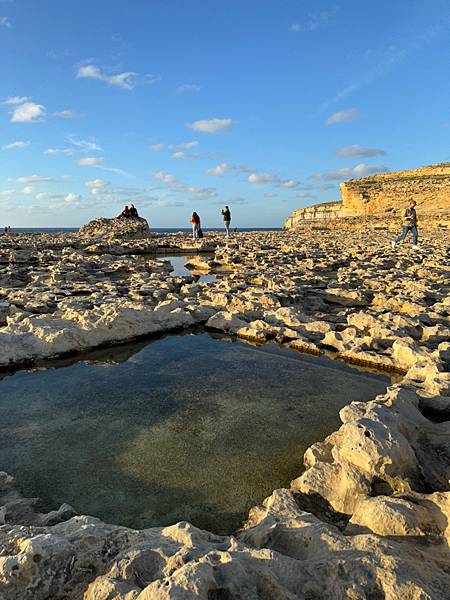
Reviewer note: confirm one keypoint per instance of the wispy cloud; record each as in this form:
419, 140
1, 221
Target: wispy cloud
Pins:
361, 170
89, 161
66, 114
176, 186
315, 20
27, 179
212, 125
89, 145
12, 100
263, 178
59, 151
7, 193
182, 155
16, 145
96, 184
356, 150
343, 116
27, 113
183, 146
126, 80
5, 22
189, 87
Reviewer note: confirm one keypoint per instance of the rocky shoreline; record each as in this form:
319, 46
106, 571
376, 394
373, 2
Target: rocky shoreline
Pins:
369, 516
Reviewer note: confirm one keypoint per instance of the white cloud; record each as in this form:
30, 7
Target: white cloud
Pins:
33, 179
290, 184
296, 27
89, 145
220, 169
184, 146
12, 100
356, 150
262, 178
27, 113
15, 145
270, 195
29, 189
71, 197
96, 183
4, 193
360, 170
172, 182
157, 147
189, 87
47, 196
212, 125
59, 151
343, 116
65, 114
5, 22
89, 161
166, 178
180, 154
127, 80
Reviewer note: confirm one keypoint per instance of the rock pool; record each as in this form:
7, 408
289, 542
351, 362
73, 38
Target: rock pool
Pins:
186, 427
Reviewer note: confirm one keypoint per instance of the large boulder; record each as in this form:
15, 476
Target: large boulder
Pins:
116, 228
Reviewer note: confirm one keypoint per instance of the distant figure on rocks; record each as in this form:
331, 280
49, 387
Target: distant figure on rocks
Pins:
195, 220
226, 219
133, 212
125, 214
409, 223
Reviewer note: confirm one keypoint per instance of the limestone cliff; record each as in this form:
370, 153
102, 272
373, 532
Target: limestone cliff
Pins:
384, 194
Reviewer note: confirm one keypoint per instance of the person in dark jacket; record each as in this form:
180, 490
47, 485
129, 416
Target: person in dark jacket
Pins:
226, 219
133, 212
409, 223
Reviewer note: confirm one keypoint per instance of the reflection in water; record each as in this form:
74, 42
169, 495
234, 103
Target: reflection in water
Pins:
178, 263
188, 427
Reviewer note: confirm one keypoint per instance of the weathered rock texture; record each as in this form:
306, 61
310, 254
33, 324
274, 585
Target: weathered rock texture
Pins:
385, 194
136, 227
369, 516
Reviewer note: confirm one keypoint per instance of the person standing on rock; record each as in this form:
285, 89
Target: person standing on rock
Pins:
409, 223
195, 220
226, 219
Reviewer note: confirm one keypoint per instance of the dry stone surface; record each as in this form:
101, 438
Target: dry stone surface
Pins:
386, 194
369, 516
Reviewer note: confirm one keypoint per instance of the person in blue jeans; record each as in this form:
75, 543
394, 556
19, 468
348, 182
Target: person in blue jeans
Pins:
409, 223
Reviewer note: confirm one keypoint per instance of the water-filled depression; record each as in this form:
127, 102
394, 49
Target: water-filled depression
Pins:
186, 427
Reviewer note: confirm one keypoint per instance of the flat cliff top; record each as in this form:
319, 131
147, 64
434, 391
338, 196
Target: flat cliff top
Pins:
438, 170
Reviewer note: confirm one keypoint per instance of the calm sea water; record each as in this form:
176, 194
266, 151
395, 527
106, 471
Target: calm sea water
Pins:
188, 427
152, 229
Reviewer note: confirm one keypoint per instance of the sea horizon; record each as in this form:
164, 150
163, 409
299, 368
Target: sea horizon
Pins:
151, 229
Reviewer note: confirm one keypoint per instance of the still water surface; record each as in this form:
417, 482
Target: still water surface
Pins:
184, 427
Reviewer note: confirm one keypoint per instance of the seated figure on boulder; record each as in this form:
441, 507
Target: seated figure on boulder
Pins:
125, 214
133, 212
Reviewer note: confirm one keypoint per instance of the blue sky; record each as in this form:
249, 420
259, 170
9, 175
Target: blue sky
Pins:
182, 105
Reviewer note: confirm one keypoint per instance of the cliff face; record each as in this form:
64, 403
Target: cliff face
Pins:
383, 195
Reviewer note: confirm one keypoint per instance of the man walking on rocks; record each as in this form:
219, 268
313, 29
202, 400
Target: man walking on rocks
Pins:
409, 222
226, 219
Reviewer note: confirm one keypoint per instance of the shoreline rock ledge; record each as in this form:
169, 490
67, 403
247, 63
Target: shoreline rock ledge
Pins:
134, 228
367, 519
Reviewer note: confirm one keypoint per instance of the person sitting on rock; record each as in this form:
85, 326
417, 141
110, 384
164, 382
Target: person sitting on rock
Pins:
125, 214
133, 212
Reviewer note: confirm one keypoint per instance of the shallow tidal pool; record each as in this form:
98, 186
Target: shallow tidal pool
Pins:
187, 427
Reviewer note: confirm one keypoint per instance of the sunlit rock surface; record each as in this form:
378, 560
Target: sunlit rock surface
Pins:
385, 196
369, 516
135, 227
